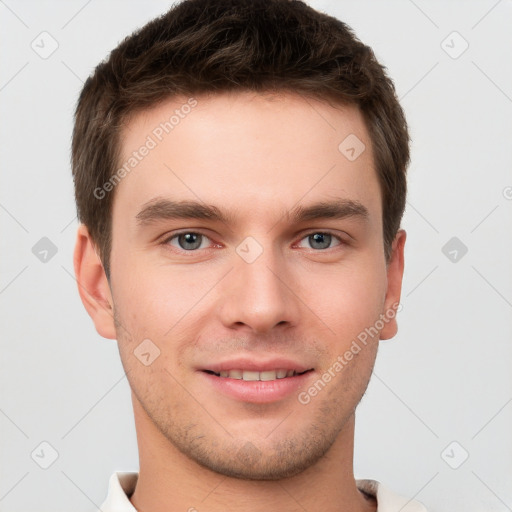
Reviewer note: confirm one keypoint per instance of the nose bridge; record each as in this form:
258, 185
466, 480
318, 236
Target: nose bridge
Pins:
258, 296
262, 276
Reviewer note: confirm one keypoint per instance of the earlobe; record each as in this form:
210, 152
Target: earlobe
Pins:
93, 285
395, 272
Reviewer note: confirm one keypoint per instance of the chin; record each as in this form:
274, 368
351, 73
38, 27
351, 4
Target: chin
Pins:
283, 460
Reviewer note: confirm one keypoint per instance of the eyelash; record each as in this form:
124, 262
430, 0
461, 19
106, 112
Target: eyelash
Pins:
167, 240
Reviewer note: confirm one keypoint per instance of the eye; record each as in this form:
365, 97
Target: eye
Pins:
190, 241
187, 241
322, 240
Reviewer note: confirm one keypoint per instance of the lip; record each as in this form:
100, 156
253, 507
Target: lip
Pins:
256, 391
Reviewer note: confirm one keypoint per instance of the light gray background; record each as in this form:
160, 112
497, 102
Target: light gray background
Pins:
446, 376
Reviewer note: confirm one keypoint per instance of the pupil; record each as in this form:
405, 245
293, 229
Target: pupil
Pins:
323, 239
190, 239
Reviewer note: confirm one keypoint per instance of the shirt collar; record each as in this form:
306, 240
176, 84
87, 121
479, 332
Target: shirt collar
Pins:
120, 487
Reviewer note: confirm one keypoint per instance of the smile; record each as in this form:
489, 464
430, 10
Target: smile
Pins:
251, 375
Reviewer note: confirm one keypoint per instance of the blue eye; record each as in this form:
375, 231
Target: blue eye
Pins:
187, 241
191, 241
320, 240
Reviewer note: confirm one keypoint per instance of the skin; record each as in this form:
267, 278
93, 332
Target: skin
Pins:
256, 157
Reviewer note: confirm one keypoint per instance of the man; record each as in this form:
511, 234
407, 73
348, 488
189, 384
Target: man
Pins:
240, 180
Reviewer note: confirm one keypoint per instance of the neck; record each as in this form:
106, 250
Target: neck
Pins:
169, 480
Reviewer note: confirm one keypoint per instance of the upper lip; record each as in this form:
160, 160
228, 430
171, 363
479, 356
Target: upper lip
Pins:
256, 366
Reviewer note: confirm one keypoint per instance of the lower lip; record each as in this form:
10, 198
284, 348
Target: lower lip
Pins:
257, 391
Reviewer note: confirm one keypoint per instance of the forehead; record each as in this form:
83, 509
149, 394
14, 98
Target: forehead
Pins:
253, 151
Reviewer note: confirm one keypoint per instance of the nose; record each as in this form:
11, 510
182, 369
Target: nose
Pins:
258, 295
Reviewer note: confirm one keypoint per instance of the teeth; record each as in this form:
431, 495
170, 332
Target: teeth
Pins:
268, 375
250, 375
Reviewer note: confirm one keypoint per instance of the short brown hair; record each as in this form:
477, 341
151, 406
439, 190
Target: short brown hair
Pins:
208, 46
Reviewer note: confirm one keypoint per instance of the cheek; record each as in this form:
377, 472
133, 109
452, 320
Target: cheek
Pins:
154, 298
350, 299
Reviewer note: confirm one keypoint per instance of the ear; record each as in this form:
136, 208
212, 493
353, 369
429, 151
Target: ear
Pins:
395, 272
93, 285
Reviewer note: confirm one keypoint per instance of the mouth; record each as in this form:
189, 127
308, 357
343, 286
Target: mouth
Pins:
251, 381
255, 375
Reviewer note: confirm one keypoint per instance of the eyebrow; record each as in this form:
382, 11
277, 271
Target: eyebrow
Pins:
165, 209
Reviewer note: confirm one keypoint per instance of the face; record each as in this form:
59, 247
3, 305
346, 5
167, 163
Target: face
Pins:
247, 257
